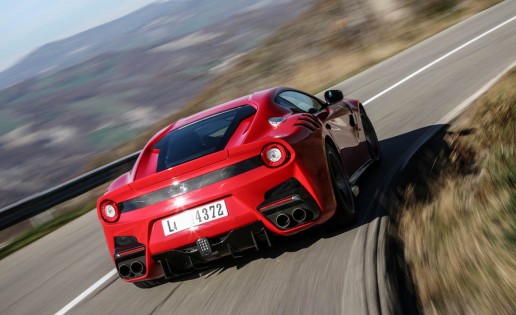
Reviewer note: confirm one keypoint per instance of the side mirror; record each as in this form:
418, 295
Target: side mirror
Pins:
333, 96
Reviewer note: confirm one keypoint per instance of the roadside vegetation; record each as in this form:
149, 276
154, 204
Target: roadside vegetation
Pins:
458, 225
327, 44
32, 234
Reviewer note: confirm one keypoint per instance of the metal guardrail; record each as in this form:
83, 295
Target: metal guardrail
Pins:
42, 201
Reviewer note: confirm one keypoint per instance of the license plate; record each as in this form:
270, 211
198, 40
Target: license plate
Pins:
194, 217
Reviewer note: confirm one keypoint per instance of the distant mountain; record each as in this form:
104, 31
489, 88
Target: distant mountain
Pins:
136, 73
154, 24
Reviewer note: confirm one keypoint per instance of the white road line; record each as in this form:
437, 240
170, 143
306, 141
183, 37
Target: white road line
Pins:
84, 294
113, 272
439, 60
462, 106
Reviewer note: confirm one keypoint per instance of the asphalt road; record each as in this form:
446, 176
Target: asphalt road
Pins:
309, 274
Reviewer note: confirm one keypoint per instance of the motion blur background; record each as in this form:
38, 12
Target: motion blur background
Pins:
85, 83
75, 102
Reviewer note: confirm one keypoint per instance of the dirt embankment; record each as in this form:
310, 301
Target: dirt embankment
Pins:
458, 222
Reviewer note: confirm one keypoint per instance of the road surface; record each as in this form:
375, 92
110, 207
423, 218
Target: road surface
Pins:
314, 273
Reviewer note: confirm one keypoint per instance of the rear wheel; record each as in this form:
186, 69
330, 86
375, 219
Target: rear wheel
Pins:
147, 284
345, 213
371, 139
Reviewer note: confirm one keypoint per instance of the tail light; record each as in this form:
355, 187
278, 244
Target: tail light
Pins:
274, 155
109, 211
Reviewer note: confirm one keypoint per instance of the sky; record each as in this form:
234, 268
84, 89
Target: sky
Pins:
28, 24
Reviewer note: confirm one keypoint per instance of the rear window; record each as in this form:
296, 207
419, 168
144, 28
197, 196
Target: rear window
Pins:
200, 138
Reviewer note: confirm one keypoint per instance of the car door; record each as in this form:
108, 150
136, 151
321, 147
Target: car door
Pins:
341, 123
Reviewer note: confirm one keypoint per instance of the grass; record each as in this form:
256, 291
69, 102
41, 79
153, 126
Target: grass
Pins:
458, 227
38, 232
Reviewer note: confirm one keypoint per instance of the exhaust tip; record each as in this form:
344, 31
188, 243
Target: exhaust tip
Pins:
137, 267
299, 215
124, 271
282, 220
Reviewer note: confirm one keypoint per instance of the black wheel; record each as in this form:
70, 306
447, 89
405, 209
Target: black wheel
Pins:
371, 139
346, 212
147, 284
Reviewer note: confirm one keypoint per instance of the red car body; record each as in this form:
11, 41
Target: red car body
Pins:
141, 210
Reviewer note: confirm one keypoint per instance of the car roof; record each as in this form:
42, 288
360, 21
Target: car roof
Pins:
255, 98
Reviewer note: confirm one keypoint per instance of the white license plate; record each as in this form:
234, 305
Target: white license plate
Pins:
194, 217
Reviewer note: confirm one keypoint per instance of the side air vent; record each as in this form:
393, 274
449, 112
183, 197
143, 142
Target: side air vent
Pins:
312, 119
308, 121
305, 125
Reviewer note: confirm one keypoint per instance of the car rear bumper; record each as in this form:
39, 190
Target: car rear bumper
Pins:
196, 256
300, 190
285, 199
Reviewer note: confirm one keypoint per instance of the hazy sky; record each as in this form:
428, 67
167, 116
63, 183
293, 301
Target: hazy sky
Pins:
27, 24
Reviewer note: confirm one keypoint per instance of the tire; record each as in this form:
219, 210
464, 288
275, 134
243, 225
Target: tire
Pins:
147, 284
345, 213
371, 139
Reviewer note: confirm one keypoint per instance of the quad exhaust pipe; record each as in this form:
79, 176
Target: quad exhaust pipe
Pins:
299, 215
124, 271
283, 220
136, 268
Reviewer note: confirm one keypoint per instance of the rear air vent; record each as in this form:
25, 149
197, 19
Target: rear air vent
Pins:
310, 118
305, 125
308, 121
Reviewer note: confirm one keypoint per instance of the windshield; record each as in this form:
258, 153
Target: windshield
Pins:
200, 138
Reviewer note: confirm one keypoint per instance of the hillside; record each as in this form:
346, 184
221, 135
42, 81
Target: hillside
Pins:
81, 117
153, 25
50, 125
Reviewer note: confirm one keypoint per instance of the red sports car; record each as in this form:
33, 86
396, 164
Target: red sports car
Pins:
278, 161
